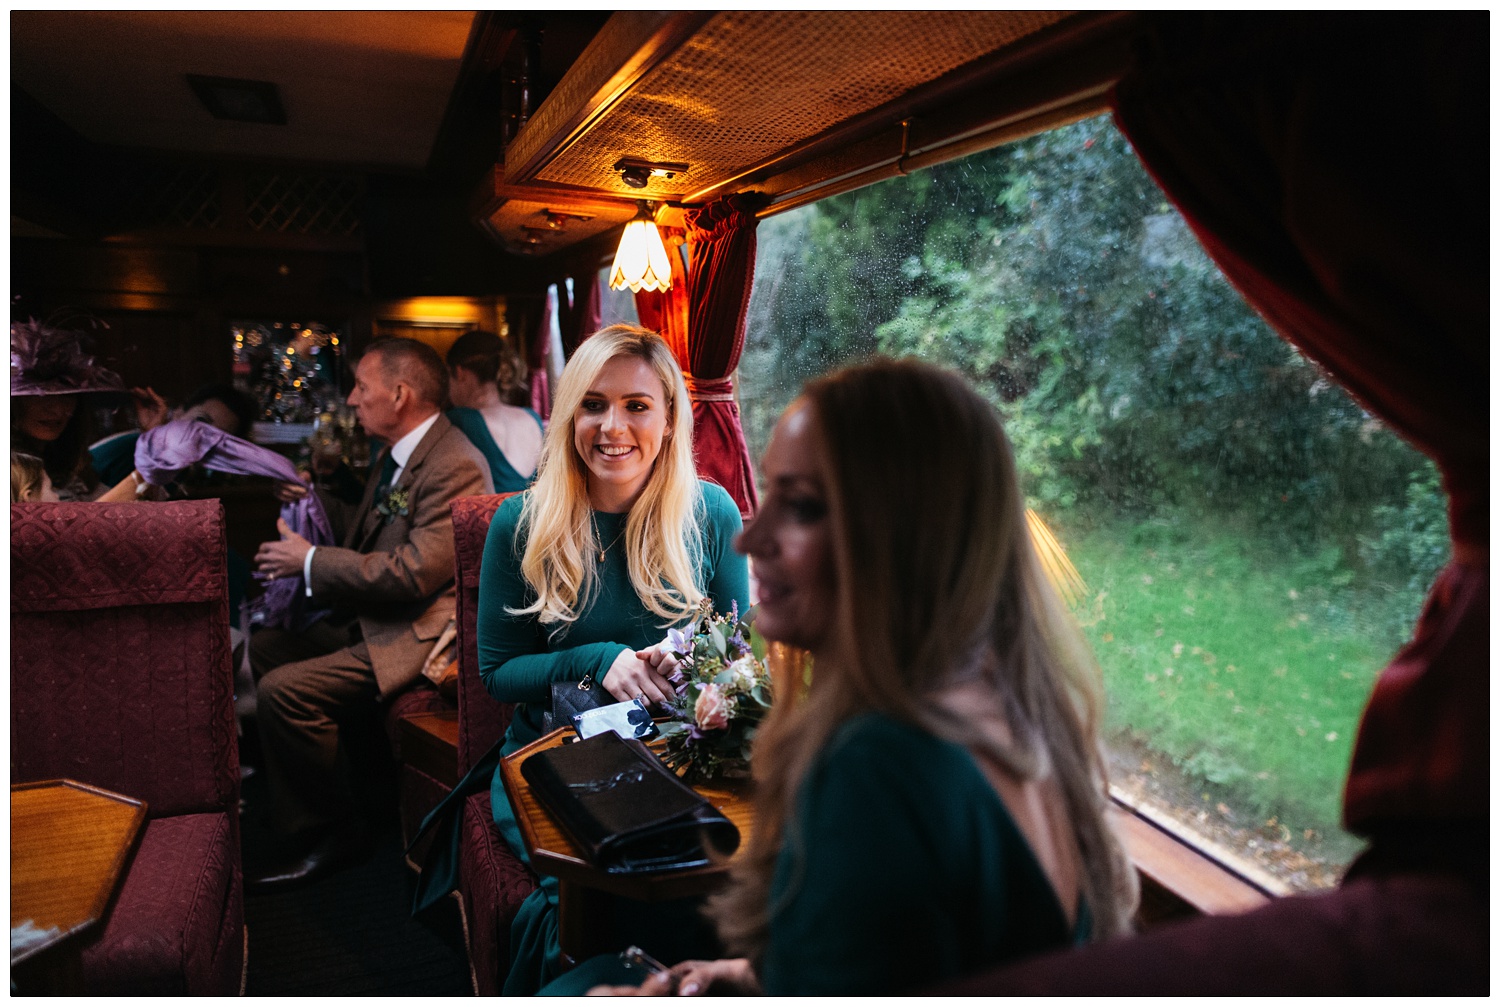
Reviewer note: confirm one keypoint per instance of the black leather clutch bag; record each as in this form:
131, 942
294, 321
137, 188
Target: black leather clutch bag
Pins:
625, 810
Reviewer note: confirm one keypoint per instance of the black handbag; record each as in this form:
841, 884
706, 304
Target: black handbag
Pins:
572, 698
624, 809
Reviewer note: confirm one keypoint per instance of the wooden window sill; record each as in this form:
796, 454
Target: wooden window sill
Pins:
1178, 879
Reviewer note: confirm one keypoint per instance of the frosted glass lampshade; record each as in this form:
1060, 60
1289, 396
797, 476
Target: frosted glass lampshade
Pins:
641, 262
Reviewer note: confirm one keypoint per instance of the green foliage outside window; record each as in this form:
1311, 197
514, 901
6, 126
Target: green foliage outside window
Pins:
1156, 418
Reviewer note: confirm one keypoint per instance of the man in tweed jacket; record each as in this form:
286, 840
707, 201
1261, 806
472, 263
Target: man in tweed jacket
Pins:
391, 589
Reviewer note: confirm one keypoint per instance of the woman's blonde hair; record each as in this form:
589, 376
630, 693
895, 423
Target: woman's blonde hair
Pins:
938, 586
662, 540
26, 474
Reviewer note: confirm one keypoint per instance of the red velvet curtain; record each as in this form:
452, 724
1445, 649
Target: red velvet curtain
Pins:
537, 350
666, 311
1336, 168
721, 245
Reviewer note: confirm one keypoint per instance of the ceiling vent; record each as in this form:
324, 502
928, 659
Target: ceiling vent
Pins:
239, 100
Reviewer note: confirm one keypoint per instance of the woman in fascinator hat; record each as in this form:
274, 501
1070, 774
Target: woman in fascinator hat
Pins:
54, 382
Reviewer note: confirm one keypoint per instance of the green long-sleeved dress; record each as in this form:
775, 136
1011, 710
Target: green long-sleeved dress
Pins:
901, 869
519, 660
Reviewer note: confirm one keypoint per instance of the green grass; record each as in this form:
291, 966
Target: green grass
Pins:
1240, 666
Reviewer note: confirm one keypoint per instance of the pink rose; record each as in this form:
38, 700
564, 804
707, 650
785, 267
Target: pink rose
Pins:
711, 711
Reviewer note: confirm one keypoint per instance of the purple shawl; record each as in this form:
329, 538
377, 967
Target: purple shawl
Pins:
163, 454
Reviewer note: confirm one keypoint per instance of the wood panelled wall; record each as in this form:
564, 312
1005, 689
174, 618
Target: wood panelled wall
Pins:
168, 307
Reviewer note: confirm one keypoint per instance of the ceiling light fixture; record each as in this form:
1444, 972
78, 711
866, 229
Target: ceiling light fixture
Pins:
641, 263
557, 220
638, 174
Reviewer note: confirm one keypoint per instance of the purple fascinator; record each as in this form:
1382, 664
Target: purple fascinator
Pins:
50, 361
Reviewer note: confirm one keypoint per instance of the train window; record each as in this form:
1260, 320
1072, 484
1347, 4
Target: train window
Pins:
1253, 545
615, 306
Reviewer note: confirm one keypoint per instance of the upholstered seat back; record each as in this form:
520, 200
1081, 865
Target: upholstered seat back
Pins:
120, 671
481, 719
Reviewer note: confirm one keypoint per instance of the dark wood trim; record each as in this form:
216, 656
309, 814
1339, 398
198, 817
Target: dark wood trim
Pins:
665, 40
494, 192
223, 238
490, 38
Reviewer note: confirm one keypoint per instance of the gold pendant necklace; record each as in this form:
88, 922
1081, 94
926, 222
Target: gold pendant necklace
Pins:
599, 539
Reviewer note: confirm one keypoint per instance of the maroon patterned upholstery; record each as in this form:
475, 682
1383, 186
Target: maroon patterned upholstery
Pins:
492, 882
168, 933
489, 907
120, 678
481, 719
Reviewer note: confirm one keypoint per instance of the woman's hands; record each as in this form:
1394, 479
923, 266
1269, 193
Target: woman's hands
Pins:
646, 673
690, 979
289, 492
151, 410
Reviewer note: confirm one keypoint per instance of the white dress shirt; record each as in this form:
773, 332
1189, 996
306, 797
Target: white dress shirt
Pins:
401, 451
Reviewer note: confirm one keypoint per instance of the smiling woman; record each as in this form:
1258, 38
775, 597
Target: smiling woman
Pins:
583, 573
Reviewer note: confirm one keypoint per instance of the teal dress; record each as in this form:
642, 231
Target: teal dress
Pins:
471, 422
901, 869
113, 458
519, 659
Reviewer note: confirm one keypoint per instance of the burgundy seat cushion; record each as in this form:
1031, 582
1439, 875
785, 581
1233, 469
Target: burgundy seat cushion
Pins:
482, 720
495, 885
1406, 934
177, 923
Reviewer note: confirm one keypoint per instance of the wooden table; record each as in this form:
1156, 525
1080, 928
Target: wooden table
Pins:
586, 893
69, 844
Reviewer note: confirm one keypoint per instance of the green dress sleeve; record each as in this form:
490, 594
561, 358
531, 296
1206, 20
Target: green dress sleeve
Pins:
516, 661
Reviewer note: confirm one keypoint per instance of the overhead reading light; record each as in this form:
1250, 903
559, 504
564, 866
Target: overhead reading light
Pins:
557, 220
641, 262
638, 174
239, 100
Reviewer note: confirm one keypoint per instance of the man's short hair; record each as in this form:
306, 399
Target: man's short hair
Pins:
416, 364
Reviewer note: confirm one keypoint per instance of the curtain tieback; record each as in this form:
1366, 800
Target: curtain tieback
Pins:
709, 389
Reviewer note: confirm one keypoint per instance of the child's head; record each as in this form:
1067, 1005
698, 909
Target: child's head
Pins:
28, 480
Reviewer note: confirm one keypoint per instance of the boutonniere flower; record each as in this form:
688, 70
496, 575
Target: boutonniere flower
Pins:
396, 503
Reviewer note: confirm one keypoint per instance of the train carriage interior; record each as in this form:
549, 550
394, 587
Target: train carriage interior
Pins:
1224, 276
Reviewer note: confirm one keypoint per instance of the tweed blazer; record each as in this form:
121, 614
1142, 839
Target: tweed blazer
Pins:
395, 570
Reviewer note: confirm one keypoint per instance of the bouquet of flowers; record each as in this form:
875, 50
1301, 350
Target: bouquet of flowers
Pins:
723, 700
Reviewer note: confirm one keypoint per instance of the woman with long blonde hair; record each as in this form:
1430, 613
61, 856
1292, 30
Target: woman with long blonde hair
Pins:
616, 541
935, 803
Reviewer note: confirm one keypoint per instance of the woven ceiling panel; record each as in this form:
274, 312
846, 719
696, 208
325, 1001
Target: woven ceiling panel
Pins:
753, 83
512, 219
